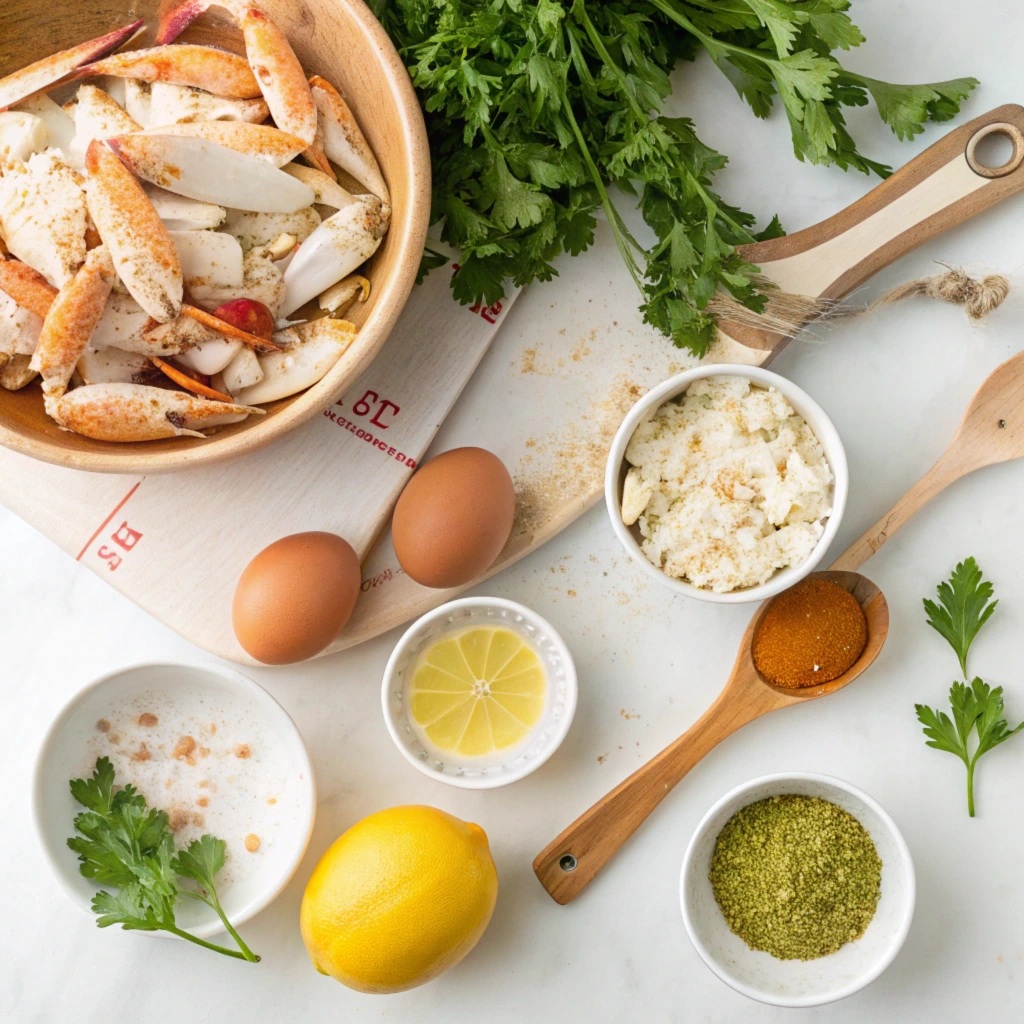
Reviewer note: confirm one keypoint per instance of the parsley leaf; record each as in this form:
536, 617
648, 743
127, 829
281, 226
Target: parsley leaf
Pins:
976, 708
965, 606
539, 113
127, 845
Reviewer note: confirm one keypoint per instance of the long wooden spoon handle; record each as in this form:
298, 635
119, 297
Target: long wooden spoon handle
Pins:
568, 864
943, 186
948, 469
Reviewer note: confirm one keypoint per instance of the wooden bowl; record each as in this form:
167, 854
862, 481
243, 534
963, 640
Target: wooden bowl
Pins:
338, 39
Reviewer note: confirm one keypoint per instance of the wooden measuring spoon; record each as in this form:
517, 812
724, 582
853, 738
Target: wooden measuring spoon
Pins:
992, 431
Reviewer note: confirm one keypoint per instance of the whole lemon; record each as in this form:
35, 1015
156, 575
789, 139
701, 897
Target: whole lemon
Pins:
398, 899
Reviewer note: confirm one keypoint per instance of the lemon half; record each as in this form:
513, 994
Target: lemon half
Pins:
477, 691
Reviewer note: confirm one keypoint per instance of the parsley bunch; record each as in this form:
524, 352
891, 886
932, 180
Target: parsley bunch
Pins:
125, 845
536, 109
965, 605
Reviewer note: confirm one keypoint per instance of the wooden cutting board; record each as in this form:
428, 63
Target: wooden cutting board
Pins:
176, 544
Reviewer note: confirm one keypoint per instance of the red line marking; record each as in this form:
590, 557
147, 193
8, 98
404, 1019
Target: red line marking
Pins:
99, 529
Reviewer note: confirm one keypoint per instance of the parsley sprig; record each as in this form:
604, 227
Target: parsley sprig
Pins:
124, 844
540, 112
965, 605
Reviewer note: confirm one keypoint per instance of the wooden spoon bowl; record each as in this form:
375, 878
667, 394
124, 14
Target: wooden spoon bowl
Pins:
338, 39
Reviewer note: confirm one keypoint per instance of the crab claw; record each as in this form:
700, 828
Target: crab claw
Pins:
178, 19
70, 322
341, 243
344, 142
316, 347
259, 140
136, 412
140, 246
27, 287
50, 70
97, 115
200, 67
208, 171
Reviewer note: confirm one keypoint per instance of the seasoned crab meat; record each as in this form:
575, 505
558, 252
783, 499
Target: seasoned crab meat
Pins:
326, 190
19, 329
255, 230
97, 116
21, 135
70, 322
135, 412
270, 144
143, 253
42, 215
173, 104
179, 213
341, 244
60, 129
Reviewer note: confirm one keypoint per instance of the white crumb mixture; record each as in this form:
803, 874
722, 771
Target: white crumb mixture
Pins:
729, 484
211, 766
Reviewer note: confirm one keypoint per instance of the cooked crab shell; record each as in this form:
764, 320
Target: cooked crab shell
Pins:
97, 115
314, 348
326, 190
137, 412
140, 245
259, 140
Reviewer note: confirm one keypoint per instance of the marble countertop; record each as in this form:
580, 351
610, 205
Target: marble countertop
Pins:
649, 663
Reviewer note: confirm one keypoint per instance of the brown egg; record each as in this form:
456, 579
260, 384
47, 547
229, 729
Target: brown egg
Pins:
453, 518
295, 596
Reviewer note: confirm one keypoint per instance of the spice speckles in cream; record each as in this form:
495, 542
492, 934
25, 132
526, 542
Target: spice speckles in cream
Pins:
210, 764
728, 483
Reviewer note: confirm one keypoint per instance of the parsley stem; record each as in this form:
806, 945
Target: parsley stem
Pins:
214, 904
970, 787
174, 930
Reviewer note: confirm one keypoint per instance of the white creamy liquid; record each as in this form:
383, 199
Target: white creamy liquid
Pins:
210, 764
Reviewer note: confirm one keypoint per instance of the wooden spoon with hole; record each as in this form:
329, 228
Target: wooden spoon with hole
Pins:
991, 431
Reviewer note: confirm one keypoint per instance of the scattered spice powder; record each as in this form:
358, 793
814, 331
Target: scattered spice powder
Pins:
148, 720
252, 842
810, 634
796, 876
243, 751
183, 749
103, 725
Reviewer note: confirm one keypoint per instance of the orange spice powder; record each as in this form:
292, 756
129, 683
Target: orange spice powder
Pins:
810, 634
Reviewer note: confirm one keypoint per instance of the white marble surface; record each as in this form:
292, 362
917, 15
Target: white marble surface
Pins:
649, 664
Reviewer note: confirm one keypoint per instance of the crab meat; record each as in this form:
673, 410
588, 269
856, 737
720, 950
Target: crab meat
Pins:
179, 213
259, 140
199, 67
114, 366
43, 74
341, 244
21, 135
138, 101
326, 190
175, 338
123, 325
135, 412
140, 245
97, 116
209, 259
60, 129
262, 280
212, 173
70, 322
16, 373
42, 215
344, 142
19, 329
173, 104
243, 371
27, 287
271, 58
314, 348
212, 356
255, 230
341, 295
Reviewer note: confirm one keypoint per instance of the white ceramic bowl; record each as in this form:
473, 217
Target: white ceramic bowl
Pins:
543, 741
65, 755
797, 982
647, 406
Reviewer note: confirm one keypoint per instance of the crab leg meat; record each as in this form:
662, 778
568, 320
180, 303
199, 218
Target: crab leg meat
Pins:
344, 142
143, 253
326, 190
16, 373
136, 412
259, 140
199, 67
27, 287
170, 104
341, 243
70, 322
97, 115
45, 73
210, 172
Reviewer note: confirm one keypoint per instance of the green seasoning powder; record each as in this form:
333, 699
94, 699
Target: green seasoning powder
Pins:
796, 876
